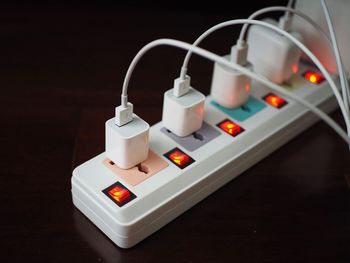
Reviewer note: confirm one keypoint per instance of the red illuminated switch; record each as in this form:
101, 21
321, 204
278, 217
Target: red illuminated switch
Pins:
119, 194
230, 127
275, 101
313, 77
179, 158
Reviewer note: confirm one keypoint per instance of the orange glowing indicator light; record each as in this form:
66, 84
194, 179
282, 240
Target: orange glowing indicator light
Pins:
247, 87
230, 127
179, 158
295, 68
313, 77
275, 101
119, 194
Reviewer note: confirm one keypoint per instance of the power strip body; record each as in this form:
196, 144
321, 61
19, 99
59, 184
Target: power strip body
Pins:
170, 192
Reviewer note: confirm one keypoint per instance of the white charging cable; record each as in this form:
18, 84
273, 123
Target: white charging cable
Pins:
285, 22
314, 59
213, 57
289, 5
262, 11
340, 65
245, 28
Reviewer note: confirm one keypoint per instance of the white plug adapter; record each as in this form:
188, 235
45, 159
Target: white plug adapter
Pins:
273, 55
127, 145
230, 88
183, 115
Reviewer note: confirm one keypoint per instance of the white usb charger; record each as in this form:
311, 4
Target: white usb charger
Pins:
126, 137
183, 108
273, 55
231, 88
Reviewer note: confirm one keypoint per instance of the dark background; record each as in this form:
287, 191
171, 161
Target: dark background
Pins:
61, 71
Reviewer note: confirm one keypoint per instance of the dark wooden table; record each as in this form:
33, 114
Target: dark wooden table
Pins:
62, 67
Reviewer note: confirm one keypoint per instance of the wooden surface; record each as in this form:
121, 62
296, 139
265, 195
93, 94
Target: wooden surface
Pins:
62, 68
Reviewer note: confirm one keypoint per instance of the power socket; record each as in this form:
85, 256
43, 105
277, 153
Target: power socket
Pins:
197, 139
137, 174
129, 213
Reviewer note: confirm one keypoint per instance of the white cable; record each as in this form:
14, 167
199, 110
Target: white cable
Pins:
262, 11
342, 74
245, 27
340, 66
213, 57
314, 59
289, 5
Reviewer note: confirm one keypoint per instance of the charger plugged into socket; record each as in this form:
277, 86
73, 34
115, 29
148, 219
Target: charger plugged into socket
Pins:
127, 145
183, 115
230, 88
273, 55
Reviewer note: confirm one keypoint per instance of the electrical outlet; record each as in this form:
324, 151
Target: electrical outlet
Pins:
250, 108
133, 176
195, 140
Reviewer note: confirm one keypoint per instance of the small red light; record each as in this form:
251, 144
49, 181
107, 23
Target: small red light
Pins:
230, 127
274, 100
247, 87
313, 77
295, 68
179, 158
119, 194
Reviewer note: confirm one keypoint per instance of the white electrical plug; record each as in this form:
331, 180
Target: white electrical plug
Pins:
126, 137
183, 114
127, 145
231, 88
273, 55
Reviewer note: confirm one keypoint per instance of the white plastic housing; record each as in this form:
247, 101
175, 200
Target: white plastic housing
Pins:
183, 115
273, 55
172, 191
127, 145
230, 88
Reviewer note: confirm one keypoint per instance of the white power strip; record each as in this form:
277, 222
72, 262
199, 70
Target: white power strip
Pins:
130, 207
